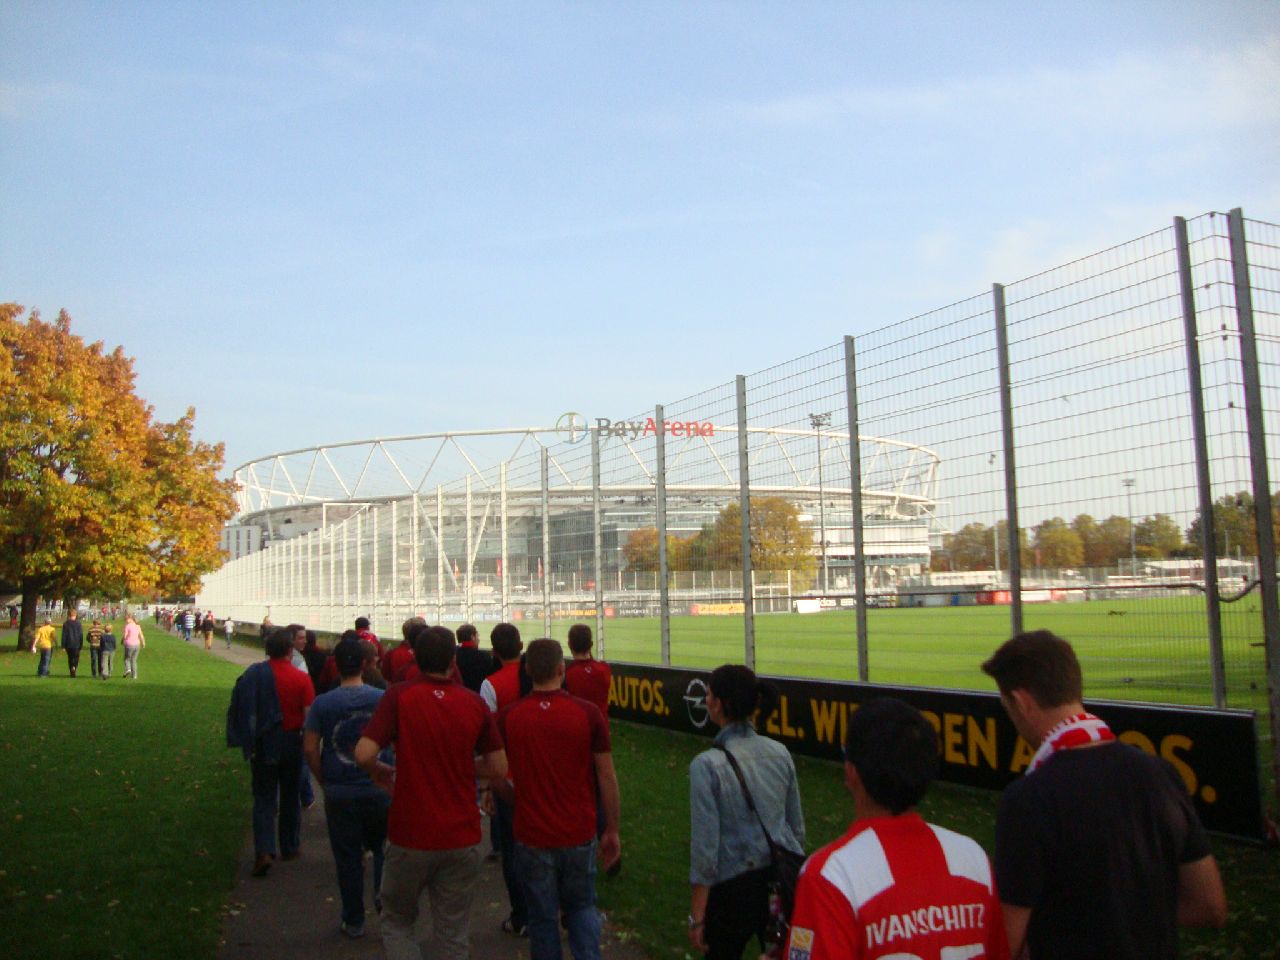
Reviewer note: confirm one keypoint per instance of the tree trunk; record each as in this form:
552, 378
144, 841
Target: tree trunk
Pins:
27, 619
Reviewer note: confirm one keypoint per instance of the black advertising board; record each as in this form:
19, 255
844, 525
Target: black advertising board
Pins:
1214, 751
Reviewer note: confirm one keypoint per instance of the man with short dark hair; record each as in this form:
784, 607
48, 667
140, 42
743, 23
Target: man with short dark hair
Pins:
474, 664
584, 675
1099, 852
94, 638
894, 885
362, 628
268, 707
558, 747
445, 738
396, 662
355, 810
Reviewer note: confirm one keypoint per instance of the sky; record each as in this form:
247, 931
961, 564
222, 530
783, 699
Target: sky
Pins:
322, 222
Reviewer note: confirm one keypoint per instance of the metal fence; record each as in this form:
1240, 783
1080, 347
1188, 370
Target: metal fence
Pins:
806, 518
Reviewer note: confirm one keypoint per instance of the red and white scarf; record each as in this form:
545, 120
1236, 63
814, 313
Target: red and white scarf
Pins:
1074, 731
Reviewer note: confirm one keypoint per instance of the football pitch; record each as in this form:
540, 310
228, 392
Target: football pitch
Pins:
1153, 650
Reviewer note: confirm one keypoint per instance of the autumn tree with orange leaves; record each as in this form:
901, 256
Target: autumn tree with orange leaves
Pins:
95, 496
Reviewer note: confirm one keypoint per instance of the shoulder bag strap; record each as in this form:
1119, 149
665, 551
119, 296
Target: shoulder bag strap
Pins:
746, 793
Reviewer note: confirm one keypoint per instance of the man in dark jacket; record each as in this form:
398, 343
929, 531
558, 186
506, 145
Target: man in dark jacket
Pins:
72, 639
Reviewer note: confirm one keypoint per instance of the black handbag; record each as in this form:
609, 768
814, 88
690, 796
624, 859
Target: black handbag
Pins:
786, 863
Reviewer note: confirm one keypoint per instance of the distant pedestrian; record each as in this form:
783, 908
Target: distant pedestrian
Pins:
366, 633
94, 637
108, 651
188, 624
43, 644
13, 616
72, 639
133, 642
355, 810
206, 630
445, 738
229, 629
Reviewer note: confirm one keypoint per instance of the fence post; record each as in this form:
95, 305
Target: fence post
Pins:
1010, 471
414, 532
395, 561
439, 554
855, 491
1261, 481
744, 503
1200, 443
468, 549
664, 571
506, 575
546, 543
597, 539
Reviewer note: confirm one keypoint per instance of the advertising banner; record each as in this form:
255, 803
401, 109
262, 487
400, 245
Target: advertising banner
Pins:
1213, 751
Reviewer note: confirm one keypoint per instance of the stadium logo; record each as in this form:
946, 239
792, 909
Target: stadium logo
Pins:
572, 426
695, 702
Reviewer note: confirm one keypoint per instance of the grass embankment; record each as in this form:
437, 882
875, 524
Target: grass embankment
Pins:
651, 896
122, 810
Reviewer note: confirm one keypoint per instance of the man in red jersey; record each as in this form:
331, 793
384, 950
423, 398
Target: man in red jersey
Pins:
894, 885
559, 749
275, 753
445, 737
585, 676
474, 664
501, 689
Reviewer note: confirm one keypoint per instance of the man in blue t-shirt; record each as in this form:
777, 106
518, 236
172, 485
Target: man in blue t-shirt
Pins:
355, 810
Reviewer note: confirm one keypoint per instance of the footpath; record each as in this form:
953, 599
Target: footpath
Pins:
292, 912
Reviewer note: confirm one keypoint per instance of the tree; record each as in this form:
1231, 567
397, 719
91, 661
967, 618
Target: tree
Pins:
779, 541
970, 548
1057, 545
1235, 526
1158, 537
94, 495
641, 550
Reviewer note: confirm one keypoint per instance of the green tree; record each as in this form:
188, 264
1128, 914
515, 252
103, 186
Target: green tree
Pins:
1235, 526
96, 497
970, 547
779, 540
1057, 545
1158, 537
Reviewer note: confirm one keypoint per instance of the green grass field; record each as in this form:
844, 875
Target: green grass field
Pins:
1149, 650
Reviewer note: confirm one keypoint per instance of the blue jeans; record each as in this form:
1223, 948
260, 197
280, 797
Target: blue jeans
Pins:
46, 656
503, 823
560, 880
275, 790
356, 825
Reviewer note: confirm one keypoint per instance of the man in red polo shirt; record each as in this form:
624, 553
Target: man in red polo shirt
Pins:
397, 661
362, 628
445, 738
559, 749
501, 689
584, 675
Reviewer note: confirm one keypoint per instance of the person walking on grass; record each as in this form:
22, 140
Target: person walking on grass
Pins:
72, 639
133, 642
558, 748
188, 624
1099, 852
108, 651
229, 630
43, 644
206, 629
445, 738
355, 810
864, 894
94, 638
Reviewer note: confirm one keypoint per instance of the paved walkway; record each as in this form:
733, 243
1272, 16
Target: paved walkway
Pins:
292, 913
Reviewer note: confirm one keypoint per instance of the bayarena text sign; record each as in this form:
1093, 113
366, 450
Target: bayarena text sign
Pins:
574, 428
1213, 751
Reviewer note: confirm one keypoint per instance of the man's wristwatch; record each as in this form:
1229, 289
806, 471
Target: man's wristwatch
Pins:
694, 924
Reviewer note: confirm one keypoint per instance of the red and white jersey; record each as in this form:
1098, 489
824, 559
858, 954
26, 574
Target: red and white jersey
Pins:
898, 888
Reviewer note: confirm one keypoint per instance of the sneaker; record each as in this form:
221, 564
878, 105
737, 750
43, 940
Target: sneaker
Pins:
353, 930
261, 865
515, 929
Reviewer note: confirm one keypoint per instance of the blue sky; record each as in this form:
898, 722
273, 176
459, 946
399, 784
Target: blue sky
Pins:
323, 222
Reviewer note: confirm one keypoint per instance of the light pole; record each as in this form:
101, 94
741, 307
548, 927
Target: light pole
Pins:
1133, 538
818, 421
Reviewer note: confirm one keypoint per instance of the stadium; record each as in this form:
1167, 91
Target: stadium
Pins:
451, 523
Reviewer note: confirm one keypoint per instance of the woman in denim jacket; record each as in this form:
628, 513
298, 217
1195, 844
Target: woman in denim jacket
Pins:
729, 856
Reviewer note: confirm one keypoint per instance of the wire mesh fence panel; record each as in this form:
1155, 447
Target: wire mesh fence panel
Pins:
547, 526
